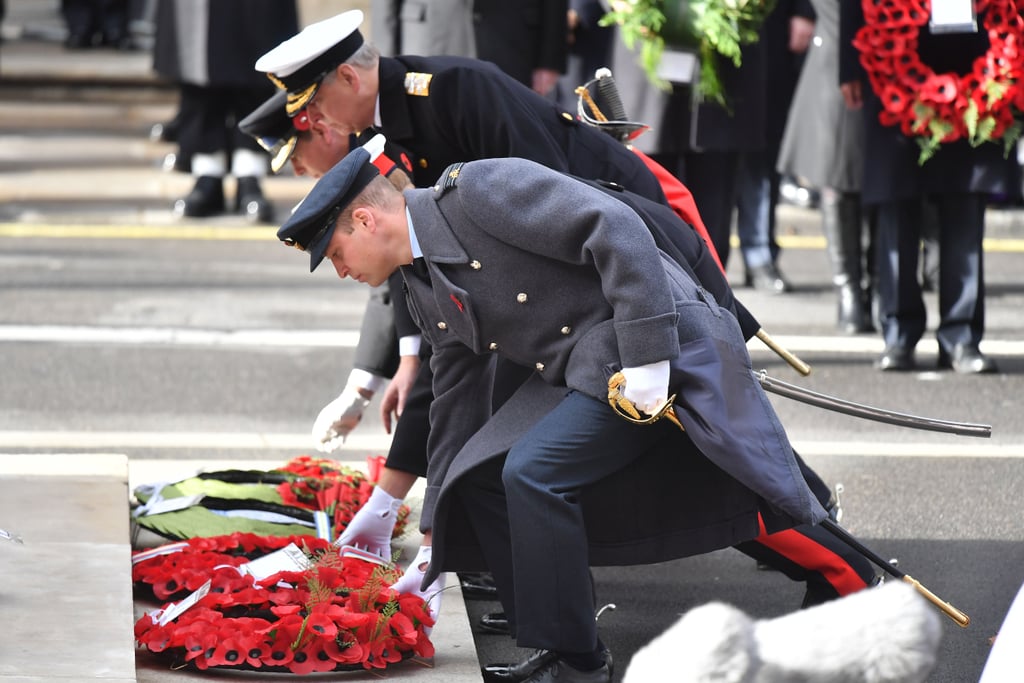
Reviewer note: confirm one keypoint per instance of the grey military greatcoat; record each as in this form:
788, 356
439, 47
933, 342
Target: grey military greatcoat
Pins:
531, 266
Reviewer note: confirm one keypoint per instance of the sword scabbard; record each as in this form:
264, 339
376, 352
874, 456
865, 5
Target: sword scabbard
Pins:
961, 619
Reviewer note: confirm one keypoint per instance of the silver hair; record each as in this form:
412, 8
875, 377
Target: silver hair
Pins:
366, 57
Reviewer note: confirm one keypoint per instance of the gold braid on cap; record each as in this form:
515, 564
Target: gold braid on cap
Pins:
297, 101
276, 81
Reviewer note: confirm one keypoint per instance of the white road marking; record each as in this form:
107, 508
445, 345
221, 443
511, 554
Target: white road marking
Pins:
357, 446
177, 336
188, 336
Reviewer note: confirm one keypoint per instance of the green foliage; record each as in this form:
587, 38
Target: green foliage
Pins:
719, 27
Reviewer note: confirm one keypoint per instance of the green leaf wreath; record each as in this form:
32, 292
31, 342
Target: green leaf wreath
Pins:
714, 29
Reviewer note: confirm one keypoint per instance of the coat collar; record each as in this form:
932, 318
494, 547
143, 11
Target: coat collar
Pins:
438, 242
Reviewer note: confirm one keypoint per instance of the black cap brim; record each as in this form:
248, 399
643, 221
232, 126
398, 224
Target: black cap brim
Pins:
312, 224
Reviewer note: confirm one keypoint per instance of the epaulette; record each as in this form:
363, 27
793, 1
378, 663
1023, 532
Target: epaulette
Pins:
417, 83
449, 178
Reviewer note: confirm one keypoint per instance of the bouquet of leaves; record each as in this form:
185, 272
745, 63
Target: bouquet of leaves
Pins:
714, 29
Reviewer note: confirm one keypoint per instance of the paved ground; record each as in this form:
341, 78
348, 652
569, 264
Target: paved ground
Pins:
205, 332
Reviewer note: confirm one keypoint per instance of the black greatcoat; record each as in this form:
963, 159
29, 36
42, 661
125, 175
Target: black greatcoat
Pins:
217, 42
472, 110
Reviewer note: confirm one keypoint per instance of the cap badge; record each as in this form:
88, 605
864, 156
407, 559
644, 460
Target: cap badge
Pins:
418, 84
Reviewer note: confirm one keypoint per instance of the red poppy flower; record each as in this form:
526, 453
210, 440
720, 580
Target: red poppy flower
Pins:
311, 658
344, 652
321, 625
940, 88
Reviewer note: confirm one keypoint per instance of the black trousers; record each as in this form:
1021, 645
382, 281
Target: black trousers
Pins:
961, 222
209, 117
543, 606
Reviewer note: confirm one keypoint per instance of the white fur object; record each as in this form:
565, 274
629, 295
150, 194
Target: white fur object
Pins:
888, 634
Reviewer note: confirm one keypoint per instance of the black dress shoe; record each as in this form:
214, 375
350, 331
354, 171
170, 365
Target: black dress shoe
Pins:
164, 132
967, 359
249, 200
79, 40
494, 622
205, 199
558, 671
854, 315
478, 586
767, 279
520, 671
895, 359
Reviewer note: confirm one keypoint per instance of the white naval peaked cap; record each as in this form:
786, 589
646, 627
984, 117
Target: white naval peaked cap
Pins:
298, 64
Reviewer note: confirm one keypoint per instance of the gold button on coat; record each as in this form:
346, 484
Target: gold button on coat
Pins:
493, 346
475, 265
521, 297
442, 325
566, 330
540, 367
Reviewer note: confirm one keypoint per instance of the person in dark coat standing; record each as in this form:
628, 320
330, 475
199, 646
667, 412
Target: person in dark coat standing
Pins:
823, 145
527, 39
480, 260
785, 35
958, 178
699, 143
209, 47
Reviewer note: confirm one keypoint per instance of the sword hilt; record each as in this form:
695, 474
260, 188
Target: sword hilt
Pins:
628, 411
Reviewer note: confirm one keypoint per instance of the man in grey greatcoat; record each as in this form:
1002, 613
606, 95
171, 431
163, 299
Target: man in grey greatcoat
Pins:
487, 277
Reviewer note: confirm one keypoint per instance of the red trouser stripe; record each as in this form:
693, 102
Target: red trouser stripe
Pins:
812, 556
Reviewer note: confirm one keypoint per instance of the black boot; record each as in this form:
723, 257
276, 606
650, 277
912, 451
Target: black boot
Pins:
205, 199
842, 223
249, 200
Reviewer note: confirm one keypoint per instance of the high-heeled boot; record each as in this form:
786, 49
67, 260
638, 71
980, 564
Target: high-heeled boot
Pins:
842, 224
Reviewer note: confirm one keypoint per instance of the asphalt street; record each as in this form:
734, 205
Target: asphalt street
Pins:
123, 330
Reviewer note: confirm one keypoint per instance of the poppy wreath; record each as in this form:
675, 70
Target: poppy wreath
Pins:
303, 485
338, 615
324, 484
980, 106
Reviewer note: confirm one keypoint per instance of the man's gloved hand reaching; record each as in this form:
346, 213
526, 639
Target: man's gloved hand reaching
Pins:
338, 418
413, 578
371, 527
647, 385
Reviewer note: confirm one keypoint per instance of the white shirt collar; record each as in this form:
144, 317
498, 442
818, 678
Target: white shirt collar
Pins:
417, 252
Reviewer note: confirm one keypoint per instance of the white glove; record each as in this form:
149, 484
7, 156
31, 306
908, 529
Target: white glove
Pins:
647, 385
413, 578
371, 527
338, 418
